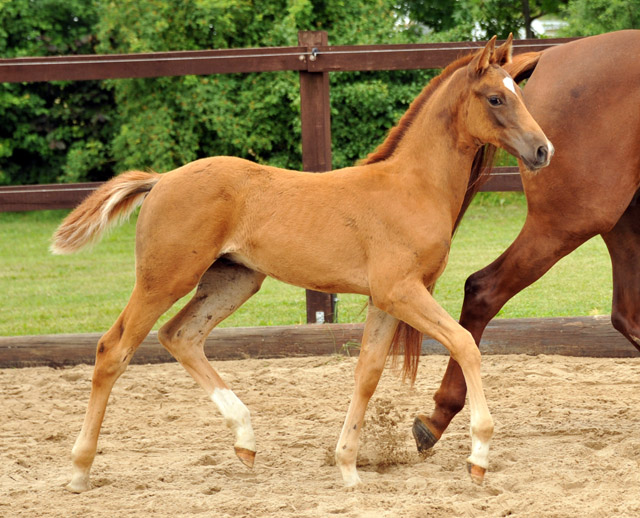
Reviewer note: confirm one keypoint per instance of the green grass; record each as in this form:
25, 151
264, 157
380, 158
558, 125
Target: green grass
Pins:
579, 284
85, 292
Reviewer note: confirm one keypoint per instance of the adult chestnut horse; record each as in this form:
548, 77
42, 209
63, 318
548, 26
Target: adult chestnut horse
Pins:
382, 229
591, 114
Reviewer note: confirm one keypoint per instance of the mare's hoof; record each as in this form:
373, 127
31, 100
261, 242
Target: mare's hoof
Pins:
424, 433
247, 457
476, 473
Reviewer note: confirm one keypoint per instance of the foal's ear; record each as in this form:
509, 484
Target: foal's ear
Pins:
503, 53
483, 58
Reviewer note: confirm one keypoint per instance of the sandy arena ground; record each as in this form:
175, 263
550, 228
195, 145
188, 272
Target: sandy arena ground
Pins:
567, 443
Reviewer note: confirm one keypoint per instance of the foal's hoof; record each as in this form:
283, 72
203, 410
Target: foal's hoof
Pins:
476, 473
247, 457
77, 487
424, 433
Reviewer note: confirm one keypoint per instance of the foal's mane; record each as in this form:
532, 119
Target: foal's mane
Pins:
483, 160
396, 134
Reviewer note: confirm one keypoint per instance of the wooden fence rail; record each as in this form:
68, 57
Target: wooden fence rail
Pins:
17, 198
308, 56
577, 336
313, 58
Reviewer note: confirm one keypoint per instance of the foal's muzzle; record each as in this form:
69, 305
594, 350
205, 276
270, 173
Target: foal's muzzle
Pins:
537, 156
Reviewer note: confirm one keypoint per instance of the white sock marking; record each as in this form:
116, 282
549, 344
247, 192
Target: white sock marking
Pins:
479, 452
236, 416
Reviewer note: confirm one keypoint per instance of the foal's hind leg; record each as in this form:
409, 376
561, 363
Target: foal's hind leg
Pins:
378, 334
222, 289
114, 353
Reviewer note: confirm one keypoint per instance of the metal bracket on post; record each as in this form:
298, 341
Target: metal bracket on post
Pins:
316, 147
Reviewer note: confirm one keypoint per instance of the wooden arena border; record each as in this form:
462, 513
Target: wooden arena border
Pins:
575, 336
313, 58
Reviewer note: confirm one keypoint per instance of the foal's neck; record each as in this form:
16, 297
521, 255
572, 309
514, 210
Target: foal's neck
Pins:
436, 150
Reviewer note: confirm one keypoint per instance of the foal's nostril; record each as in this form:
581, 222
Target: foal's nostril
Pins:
542, 154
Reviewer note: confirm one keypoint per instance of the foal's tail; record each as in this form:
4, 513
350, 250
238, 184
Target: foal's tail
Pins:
407, 340
110, 205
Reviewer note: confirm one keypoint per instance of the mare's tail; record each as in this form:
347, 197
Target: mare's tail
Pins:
523, 65
108, 206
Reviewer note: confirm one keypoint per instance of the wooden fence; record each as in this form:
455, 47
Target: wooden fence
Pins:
313, 58
576, 336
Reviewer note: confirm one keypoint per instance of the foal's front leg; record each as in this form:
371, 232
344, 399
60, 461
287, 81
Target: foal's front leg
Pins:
411, 302
378, 334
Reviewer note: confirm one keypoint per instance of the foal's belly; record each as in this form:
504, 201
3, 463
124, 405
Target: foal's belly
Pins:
317, 273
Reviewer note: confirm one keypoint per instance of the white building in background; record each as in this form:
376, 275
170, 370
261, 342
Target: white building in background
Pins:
548, 27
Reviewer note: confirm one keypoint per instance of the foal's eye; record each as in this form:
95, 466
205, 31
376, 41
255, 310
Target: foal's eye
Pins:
495, 100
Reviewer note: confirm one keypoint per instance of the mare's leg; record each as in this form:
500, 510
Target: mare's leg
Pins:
114, 353
623, 242
529, 257
378, 334
536, 249
412, 303
222, 289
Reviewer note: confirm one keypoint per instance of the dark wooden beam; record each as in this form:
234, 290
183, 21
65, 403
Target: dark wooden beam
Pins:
409, 56
157, 64
315, 110
503, 179
15, 198
569, 336
225, 61
222, 344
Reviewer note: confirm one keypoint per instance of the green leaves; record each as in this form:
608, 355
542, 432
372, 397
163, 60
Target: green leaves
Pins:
43, 121
365, 106
165, 122
589, 17
89, 130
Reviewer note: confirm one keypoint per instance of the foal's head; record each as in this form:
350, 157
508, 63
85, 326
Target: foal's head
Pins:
495, 111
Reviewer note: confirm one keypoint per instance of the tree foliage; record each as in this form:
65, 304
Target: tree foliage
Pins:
89, 130
445, 20
47, 126
589, 17
167, 121
78, 131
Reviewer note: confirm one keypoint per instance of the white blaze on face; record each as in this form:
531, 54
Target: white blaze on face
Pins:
510, 84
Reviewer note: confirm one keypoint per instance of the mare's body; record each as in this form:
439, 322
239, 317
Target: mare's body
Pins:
586, 97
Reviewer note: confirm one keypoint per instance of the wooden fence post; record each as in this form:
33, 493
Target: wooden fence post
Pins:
316, 148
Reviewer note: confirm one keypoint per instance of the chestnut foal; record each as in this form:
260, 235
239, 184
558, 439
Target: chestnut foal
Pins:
382, 228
